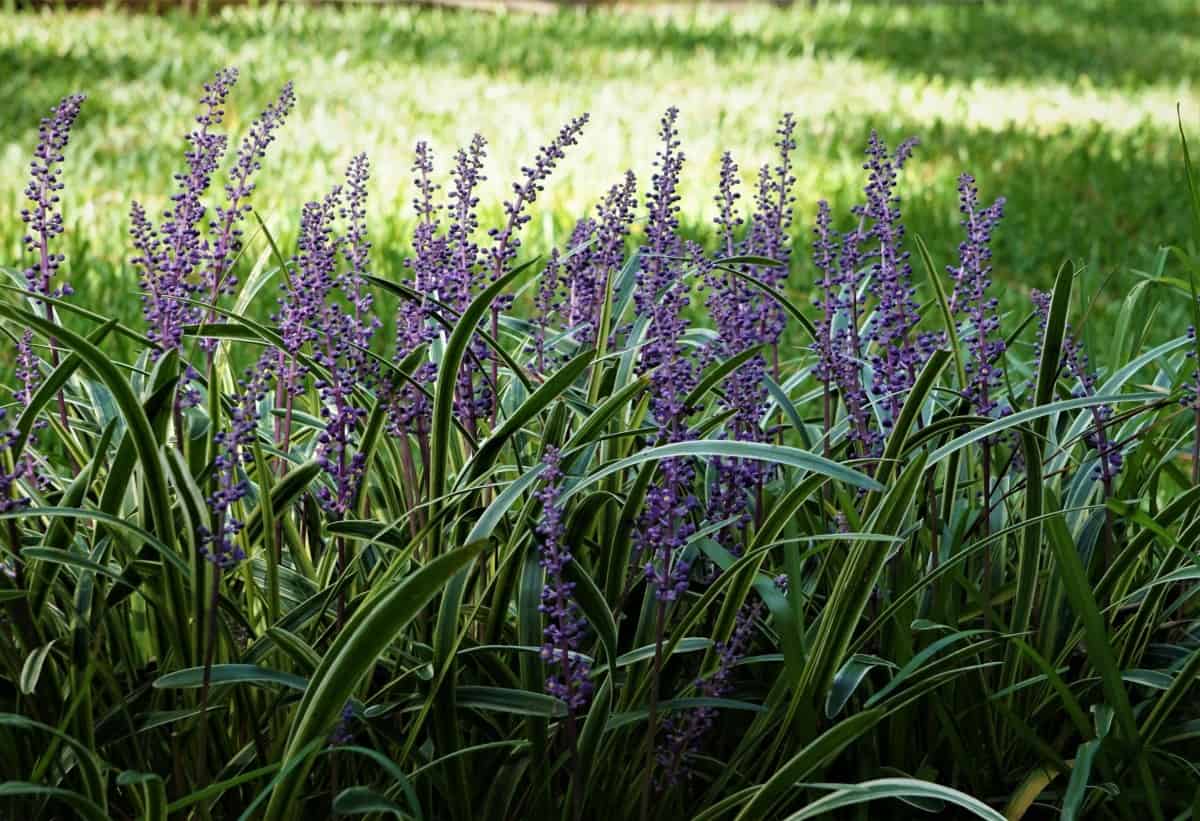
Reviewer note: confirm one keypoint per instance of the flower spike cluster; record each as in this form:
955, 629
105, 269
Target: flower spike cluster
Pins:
342, 334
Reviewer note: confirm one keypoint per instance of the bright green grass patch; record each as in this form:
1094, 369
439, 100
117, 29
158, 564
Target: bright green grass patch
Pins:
1066, 111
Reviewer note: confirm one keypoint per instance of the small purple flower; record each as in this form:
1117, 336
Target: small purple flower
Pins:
11, 497
44, 219
565, 626
343, 733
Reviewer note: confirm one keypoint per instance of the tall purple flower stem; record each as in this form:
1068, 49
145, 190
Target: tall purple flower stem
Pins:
506, 240
44, 219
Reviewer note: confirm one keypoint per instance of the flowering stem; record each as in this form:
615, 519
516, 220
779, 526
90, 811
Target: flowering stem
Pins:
652, 718
987, 528
1196, 450
210, 648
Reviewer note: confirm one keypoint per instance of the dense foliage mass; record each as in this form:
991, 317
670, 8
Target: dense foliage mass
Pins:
565, 551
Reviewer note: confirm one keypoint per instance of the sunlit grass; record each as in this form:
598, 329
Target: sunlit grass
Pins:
1066, 111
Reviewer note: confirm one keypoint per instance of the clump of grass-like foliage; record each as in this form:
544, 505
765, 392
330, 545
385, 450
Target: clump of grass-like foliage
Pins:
592, 538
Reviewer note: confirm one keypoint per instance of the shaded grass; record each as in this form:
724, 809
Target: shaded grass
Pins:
1066, 110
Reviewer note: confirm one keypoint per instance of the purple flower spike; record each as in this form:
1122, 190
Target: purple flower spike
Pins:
582, 278
227, 239
45, 217
838, 346
728, 219
169, 258
506, 240
661, 295
459, 285
614, 216
893, 330
546, 304
565, 626
977, 311
307, 291
341, 336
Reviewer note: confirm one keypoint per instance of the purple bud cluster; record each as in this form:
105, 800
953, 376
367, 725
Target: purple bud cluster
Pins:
44, 218
10, 493
661, 296
343, 732
682, 735
565, 626
1075, 362
234, 451
979, 321
892, 329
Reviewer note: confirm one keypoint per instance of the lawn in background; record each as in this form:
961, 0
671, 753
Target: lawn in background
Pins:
1067, 109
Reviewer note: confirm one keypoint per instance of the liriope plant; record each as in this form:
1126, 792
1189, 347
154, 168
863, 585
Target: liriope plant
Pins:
620, 531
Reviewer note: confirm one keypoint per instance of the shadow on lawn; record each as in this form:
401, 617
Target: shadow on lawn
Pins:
1112, 43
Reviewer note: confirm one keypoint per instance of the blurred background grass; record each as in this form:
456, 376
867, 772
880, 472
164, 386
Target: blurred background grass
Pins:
1065, 108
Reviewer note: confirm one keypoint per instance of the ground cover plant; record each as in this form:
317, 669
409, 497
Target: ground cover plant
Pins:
586, 534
